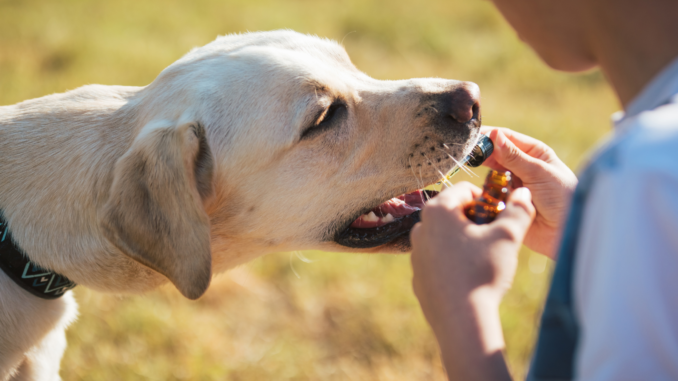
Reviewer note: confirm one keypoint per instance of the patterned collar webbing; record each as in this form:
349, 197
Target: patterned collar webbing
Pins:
31, 277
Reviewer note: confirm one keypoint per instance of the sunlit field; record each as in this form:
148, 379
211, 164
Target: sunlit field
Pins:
292, 316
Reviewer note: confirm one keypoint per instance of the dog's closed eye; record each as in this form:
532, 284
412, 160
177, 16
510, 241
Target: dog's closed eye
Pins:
326, 119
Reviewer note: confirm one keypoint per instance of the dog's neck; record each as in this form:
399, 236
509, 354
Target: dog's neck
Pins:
17, 266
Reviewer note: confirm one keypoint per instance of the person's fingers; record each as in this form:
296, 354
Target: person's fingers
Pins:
516, 182
487, 130
516, 219
520, 139
491, 163
531, 146
509, 156
415, 234
460, 194
447, 207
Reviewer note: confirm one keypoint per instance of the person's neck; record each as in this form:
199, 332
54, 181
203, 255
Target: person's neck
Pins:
633, 41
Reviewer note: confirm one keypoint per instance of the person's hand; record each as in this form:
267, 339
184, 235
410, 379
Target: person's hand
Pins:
535, 165
451, 254
461, 272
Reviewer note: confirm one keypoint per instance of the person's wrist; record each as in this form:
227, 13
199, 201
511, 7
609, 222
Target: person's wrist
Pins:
480, 296
485, 298
473, 320
455, 308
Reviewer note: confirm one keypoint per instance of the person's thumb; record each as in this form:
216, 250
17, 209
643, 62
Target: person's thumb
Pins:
516, 219
512, 158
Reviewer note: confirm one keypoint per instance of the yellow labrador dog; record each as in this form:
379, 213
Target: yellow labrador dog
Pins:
255, 143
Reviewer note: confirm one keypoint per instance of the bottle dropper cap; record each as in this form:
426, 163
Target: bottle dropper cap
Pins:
482, 150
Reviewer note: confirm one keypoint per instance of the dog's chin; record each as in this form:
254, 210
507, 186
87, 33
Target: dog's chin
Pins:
399, 245
387, 226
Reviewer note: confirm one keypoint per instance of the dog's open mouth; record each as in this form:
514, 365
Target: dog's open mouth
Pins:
385, 223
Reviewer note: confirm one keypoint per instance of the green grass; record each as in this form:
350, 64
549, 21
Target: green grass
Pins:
279, 318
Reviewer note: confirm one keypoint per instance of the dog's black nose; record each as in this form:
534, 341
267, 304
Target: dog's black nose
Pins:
465, 101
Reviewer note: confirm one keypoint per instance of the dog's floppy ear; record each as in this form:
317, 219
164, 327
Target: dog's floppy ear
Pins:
155, 212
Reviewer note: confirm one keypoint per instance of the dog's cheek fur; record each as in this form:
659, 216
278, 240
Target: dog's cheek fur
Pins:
155, 212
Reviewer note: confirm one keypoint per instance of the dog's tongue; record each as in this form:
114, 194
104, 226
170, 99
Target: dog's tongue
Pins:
391, 210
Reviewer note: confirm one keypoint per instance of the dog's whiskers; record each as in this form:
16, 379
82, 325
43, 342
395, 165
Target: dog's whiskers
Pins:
294, 271
459, 165
445, 181
462, 167
439, 171
425, 194
409, 160
302, 258
419, 181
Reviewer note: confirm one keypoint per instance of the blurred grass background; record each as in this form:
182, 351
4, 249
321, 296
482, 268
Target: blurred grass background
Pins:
314, 316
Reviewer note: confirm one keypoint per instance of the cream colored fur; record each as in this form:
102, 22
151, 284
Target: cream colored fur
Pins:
124, 188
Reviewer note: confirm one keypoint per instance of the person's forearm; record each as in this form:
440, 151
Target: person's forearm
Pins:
471, 340
461, 273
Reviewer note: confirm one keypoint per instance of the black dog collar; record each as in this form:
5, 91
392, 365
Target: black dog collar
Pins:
31, 277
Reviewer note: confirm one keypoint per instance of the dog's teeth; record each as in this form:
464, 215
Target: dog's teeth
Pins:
370, 217
388, 218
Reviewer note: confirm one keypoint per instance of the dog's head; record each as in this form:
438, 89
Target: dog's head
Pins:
277, 142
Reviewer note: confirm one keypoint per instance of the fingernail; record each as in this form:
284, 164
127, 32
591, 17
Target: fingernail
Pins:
523, 194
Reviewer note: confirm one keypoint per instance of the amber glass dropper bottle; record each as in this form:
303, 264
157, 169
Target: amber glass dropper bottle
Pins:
496, 190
